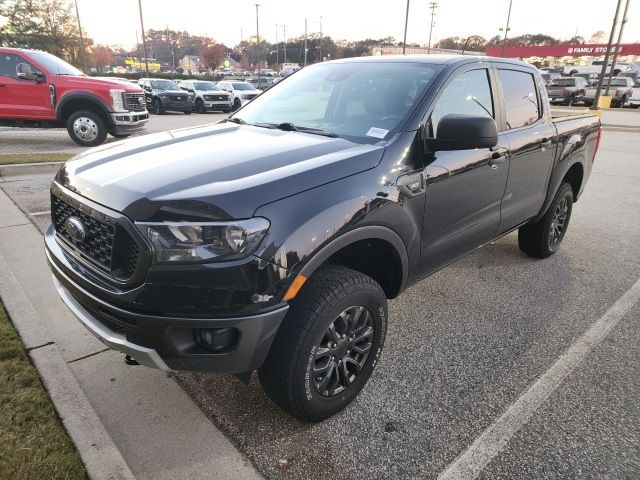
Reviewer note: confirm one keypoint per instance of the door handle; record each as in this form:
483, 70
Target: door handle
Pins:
497, 158
545, 143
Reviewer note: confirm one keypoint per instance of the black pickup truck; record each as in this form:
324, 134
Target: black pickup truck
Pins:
273, 240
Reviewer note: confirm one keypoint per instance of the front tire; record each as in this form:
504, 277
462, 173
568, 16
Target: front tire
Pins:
157, 107
542, 239
200, 108
87, 128
237, 104
327, 345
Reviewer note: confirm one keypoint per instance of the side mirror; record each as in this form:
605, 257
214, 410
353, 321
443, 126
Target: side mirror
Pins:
147, 88
40, 78
24, 72
464, 132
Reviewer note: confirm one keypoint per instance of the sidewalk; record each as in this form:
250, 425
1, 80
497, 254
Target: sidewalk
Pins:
127, 422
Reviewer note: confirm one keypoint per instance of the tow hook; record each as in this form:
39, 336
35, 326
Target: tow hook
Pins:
129, 360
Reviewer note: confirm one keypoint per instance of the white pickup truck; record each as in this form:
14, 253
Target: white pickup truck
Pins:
621, 90
595, 68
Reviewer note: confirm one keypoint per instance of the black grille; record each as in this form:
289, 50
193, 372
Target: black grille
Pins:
249, 96
106, 245
134, 102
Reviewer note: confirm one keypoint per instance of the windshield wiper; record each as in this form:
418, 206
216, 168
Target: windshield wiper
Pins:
290, 127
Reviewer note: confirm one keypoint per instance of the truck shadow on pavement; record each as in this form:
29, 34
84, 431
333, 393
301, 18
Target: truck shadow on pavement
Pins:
461, 347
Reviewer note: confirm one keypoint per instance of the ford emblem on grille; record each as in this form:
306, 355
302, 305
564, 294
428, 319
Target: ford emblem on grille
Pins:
75, 229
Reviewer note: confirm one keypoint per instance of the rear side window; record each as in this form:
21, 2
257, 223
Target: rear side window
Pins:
468, 94
521, 100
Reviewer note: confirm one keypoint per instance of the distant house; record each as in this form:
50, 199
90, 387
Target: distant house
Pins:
191, 63
229, 63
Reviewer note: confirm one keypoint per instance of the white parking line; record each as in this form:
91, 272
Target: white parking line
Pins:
35, 214
472, 461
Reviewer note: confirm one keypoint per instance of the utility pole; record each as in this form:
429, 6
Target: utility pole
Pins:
258, 43
84, 63
305, 42
606, 58
144, 42
615, 53
277, 46
506, 29
321, 37
284, 39
406, 22
432, 6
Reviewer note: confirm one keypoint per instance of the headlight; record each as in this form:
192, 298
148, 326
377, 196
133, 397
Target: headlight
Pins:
116, 100
199, 242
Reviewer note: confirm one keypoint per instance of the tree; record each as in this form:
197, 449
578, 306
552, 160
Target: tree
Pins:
476, 43
48, 25
598, 37
212, 55
102, 56
451, 43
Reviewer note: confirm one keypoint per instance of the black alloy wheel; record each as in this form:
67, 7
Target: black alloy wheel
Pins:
558, 222
343, 351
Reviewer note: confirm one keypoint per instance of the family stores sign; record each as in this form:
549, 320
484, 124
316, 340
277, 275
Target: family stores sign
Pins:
566, 50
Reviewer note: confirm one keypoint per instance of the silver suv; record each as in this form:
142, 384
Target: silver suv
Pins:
207, 96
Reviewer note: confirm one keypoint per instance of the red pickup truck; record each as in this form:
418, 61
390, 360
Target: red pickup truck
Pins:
40, 90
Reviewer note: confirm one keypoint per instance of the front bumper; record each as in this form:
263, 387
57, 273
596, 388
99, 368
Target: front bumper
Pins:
213, 105
168, 343
125, 123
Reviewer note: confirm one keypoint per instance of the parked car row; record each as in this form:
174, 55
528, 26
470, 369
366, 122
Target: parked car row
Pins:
571, 90
196, 95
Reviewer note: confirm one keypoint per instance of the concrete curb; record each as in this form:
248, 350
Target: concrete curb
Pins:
101, 457
29, 168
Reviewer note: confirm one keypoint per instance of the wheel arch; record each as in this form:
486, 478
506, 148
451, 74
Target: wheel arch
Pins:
357, 248
74, 102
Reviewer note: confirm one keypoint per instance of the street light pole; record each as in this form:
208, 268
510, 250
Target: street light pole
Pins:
506, 29
84, 63
603, 72
406, 22
615, 54
144, 42
305, 42
433, 6
284, 39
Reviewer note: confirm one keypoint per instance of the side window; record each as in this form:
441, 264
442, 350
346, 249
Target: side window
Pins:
521, 100
468, 94
8, 64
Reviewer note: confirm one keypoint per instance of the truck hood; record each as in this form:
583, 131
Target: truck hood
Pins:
214, 172
91, 83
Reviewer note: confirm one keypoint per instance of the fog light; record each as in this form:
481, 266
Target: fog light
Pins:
216, 339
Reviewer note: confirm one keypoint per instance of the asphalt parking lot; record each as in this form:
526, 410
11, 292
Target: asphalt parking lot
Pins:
462, 347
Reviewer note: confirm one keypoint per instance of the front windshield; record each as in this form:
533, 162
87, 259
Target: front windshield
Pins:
164, 85
205, 86
617, 83
242, 86
363, 99
562, 82
54, 64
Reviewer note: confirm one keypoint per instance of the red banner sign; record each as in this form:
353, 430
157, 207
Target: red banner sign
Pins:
566, 50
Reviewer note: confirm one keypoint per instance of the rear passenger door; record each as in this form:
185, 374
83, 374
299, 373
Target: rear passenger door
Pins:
532, 143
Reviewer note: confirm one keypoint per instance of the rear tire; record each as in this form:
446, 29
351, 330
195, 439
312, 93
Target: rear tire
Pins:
542, 239
87, 128
317, 365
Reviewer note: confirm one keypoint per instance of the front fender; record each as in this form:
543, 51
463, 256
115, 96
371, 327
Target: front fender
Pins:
308, 228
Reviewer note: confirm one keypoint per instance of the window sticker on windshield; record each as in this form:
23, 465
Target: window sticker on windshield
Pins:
377, 132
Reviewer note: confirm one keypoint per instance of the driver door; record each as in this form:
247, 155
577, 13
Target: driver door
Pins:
19, 97
464, 188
